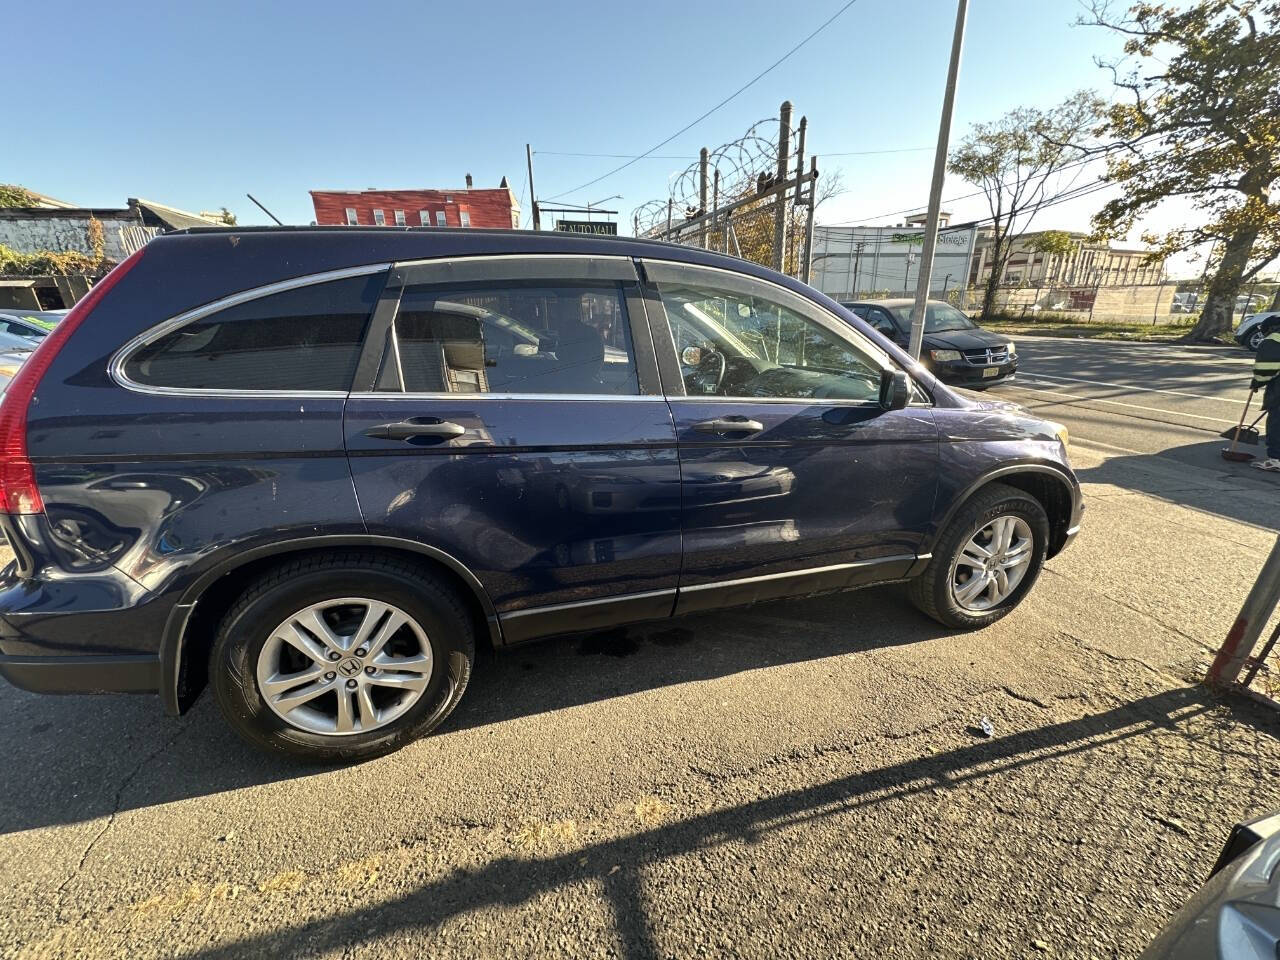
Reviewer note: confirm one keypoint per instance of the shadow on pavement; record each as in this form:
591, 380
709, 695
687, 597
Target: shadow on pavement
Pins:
77, 758
514, 881
1241, 493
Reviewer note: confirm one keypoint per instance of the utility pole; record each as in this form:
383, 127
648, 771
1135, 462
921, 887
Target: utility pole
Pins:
780, 199
533, 197
1249, 624
806, 259
935, 188
715, 200
702, 196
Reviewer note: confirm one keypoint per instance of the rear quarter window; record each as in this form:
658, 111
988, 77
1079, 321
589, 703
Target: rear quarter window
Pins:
306, 339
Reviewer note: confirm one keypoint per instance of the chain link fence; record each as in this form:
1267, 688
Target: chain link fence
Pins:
1174, 303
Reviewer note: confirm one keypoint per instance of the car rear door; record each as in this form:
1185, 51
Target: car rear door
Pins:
795, 478
508, 413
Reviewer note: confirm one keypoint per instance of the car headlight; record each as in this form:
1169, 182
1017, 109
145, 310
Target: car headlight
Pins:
944, 355
1060, 432
1011, 347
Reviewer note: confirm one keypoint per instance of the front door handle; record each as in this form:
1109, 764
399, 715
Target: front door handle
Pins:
729, 425
417, 427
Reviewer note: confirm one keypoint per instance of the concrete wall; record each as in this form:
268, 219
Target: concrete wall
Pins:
60, 234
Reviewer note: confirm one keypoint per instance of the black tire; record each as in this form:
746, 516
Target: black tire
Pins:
293, 586
932, 591
1254, 340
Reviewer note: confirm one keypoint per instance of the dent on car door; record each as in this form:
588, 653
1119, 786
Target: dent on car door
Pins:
513, 419
795, 478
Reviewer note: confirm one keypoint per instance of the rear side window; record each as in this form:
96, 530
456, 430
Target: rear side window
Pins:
522, 338
305, 339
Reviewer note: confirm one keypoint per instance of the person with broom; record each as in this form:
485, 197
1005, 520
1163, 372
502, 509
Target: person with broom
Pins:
1266, 377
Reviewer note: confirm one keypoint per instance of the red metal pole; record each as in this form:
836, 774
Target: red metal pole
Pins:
1251, 621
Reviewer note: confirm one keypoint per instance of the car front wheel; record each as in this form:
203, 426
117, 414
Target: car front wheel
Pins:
342, 658
1254, 340
986, 561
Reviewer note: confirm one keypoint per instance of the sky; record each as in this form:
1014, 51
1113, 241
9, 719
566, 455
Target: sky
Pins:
195, 104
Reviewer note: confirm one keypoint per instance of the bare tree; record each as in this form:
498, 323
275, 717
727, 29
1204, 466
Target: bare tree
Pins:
1023, 162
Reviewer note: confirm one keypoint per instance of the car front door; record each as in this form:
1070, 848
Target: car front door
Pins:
795, 478
508, 413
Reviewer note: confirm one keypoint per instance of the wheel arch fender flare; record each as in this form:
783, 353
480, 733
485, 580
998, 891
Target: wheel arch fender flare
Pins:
175, 632
1060, 527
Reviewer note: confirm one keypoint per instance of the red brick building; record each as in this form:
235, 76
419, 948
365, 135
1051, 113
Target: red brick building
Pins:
466, 207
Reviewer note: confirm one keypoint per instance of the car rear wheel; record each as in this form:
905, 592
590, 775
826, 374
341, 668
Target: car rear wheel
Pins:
342, 658
1255, 338
986, 561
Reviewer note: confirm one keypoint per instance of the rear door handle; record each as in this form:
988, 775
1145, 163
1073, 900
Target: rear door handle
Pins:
729, 425
417, 427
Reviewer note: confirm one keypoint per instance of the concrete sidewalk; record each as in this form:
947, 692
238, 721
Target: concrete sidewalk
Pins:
798, 778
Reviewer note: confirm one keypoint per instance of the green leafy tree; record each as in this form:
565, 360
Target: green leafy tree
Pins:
1199, 118
1022, 163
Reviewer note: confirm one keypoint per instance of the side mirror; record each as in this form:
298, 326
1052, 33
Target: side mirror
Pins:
895, 389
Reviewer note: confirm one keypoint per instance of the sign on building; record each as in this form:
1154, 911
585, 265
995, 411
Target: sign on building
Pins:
599, 228
850, 262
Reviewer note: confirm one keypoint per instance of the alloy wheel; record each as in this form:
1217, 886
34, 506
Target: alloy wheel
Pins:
344, 666
992, 563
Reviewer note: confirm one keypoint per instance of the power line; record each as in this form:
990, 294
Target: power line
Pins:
690, 156
830, 20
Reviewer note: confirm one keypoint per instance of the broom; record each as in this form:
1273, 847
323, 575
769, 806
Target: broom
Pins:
1240, 433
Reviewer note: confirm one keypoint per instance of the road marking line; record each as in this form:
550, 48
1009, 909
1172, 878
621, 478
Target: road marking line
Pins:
1116, 403
1125, 386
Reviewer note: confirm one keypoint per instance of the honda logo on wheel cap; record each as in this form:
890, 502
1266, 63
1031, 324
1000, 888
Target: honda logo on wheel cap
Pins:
350, 667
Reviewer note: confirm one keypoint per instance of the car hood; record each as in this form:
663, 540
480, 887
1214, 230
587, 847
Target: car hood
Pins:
978, 339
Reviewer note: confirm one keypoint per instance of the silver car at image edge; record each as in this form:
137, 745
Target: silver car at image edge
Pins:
1236, 914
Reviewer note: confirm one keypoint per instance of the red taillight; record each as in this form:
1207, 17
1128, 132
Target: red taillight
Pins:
18, 491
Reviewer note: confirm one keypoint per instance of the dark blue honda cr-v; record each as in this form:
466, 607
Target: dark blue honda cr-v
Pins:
315, 467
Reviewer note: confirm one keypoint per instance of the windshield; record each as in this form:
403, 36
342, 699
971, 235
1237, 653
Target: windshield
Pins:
937, 318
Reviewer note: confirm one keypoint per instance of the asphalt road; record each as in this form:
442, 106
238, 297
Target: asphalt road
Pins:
803, 778
1139, 398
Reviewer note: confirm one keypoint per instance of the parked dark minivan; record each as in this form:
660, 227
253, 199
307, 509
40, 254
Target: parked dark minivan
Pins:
315, 467
954, 348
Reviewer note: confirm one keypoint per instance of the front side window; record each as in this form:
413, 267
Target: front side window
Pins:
733, 344
517, 337
379, 218
352, 219
306, 339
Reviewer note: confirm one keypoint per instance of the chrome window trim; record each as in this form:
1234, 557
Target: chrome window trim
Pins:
116, 365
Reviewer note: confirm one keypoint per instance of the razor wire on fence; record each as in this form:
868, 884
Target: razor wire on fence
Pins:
751, 198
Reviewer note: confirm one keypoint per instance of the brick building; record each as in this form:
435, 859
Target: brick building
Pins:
466, 207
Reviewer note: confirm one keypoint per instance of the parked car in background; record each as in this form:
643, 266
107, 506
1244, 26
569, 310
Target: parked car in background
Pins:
1236, 914
315, 468
956, 349
1249, 333
1184, 303
32, 326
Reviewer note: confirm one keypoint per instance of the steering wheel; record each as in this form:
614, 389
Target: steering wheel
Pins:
710, 357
